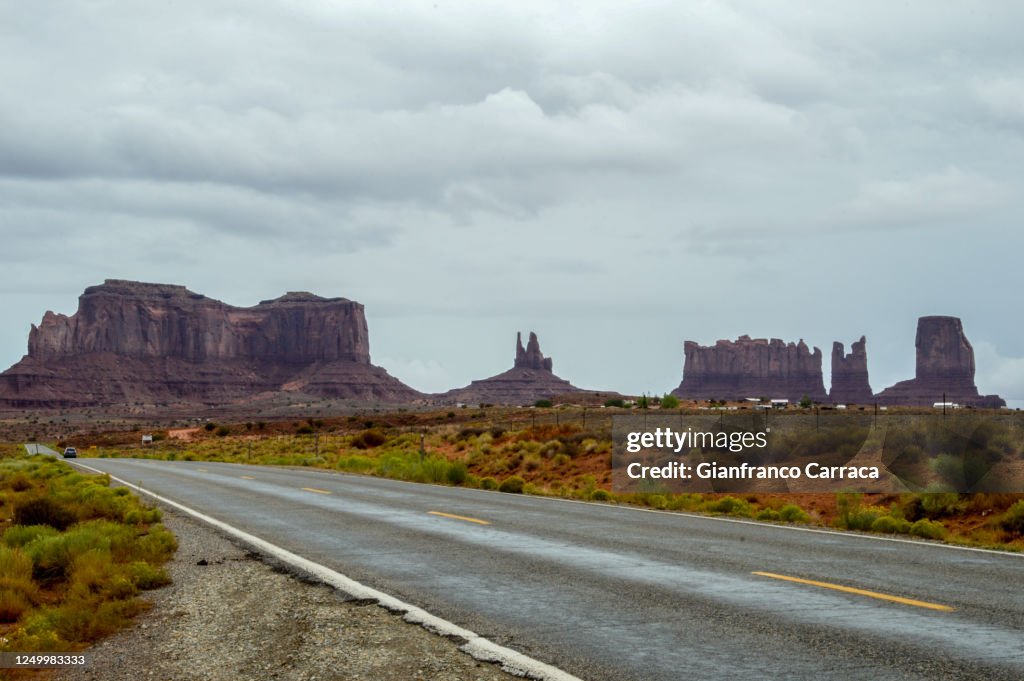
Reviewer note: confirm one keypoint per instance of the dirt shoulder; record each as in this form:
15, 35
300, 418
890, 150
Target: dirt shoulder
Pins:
227, 616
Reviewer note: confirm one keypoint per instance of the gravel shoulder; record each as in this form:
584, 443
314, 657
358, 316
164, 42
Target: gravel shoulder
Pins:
228, 616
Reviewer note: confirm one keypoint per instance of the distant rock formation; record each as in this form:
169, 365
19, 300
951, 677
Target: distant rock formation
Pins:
135, 342
751, 367
850, 374
530, 357
945, 366
530, 379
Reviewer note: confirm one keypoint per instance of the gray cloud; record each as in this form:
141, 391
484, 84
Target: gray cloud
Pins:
615, 176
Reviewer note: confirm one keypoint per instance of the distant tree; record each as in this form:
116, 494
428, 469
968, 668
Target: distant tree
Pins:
542, 403
805, 402
669, 402
643, 403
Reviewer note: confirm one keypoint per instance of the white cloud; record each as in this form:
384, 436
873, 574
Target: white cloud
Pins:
950, 194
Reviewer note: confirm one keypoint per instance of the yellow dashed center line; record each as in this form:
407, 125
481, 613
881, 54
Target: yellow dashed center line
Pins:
246, 477
859, 592
314, 489
460, 517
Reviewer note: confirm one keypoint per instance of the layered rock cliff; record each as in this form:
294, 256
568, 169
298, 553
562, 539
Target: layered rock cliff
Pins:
751, 367
132, 341
850, 374
945, 367
530, 379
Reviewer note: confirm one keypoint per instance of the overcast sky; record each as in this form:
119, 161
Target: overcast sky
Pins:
618, 177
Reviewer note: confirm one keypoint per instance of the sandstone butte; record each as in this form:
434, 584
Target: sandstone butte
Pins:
945, 368
751, 367
132, 342
850, 384
530, 379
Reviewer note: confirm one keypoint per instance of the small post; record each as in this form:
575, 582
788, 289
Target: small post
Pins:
584, 418
316, 443
250, 450
423, 446
817, 420
943, 403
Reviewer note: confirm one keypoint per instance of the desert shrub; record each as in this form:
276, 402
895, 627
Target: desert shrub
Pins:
19, 535
887, 524
791, 513
600, 495
146, 576
457, 473
513, 485
938, 505
561, 459
929, 529
209, 427
729, 506
615, 402
368, 439
654, 501
223, 431
488, 483
18, 482
1013, 520
44, 511
468, 432
13, 604
542, 403
861, 519
767, 514
669, 402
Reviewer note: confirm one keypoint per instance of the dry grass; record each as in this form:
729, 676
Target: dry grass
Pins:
71, 571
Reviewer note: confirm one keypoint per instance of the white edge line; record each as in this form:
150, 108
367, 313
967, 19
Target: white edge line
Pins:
476, 646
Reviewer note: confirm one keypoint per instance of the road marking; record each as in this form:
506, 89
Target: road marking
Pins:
246, 477
860, 592
460, 517
202, 470
476, 646
314, 489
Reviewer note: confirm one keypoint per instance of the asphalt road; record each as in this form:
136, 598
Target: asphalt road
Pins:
614, 593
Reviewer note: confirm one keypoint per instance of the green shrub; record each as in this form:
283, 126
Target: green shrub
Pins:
19, 535
655, 501
669, 402
600, 495
542, 403
368, 439
729, 506
513, 485
887, 524
615, 402
44, 511
488, 483
146, 576
1013, 520
767, 514
937, 505
791, 513
457, 473
929, 529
